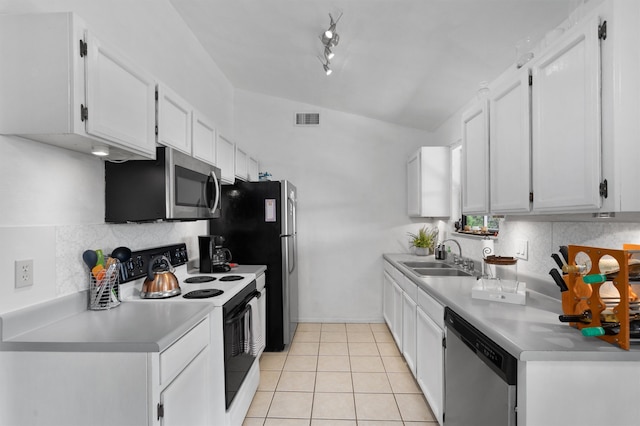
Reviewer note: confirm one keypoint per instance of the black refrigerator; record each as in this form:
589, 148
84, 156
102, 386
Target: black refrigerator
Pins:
258, 222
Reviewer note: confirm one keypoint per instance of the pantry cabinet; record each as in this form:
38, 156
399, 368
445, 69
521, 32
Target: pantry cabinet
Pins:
64, 86
174, 120
510, 144
566, 119
429, 182
475, 159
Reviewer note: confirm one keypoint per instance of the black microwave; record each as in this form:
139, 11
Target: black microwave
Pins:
173, 187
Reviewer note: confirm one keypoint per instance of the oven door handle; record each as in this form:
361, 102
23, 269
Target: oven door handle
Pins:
239, 315
246, 308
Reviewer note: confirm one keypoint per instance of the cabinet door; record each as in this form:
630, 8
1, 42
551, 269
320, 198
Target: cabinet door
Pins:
566, 123
409, 331
510, 140
254, 170
186, 399
174, 120
226, 161
429, 182
120, 99
413, 185
387, 300
241, 162
430, 362
396, 330
475, 160
203, 139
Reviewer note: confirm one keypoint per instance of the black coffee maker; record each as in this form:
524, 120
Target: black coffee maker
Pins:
213, 257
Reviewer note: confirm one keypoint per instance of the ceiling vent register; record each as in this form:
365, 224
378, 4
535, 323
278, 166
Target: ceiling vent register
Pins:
307, 119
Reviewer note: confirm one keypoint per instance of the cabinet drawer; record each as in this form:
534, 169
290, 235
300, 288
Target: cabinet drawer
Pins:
393, 272
409, 287
431, 307
177, 356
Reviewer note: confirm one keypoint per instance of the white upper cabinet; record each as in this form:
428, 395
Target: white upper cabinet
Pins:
226, 159
174, 120
204, 139
475, 159
120, 98
429, 182
241, 164
254, 169
510, 144
58, 90
566, 121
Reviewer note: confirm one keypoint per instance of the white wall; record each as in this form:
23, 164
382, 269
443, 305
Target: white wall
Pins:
351, 178
53, 199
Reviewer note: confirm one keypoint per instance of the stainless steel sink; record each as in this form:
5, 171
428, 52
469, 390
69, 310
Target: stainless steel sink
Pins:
441, 272
426, 264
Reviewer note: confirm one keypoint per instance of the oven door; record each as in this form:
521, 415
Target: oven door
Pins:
193, 187
238, 353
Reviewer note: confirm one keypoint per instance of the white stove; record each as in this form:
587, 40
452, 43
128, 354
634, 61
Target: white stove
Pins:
231, 397
134, 273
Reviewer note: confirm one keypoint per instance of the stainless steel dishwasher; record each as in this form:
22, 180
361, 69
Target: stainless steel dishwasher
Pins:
480, 377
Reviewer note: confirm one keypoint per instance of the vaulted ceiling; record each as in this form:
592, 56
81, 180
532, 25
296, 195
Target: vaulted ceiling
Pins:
408, 62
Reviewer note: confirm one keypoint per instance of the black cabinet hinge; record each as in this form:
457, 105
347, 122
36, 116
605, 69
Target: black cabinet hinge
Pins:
156, 130
84, 112
604, 189
83, 48
531, 197
444, 342
530, 80
160, 411
602, 31
156, 94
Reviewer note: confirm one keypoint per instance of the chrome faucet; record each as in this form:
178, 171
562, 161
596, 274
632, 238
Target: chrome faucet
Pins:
459, 248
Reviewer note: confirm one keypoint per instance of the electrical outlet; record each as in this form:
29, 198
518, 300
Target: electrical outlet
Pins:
522, 249
24, 273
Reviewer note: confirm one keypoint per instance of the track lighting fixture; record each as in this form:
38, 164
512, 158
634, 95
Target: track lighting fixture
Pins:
329, 39
325, 65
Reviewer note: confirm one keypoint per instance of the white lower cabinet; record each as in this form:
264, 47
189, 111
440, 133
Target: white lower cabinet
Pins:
396, 329
409, 331
416, 321
172, 387
430, 353
185, 400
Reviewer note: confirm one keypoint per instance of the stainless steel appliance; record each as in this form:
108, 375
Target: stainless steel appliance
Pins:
258, 220
174, 186
480, 377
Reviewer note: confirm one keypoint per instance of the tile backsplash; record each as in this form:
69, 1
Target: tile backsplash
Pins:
57, 254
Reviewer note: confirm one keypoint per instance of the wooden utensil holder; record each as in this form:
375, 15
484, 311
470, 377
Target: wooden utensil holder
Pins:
581, 297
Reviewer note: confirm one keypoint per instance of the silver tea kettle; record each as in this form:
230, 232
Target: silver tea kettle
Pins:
160, 282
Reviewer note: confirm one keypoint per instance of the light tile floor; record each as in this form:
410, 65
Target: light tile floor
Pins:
338, 374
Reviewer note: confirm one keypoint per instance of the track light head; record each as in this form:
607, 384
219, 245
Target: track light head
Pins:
328, 54
327, 70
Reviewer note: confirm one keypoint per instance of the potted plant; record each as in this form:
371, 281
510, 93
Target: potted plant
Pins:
424, 241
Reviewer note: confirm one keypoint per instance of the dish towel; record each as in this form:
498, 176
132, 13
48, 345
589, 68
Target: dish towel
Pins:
257, 339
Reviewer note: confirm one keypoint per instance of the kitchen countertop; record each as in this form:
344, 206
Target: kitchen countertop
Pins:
130, 327
529, 332
65, 325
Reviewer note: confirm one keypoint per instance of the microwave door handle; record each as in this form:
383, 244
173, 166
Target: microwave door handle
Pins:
217, 187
